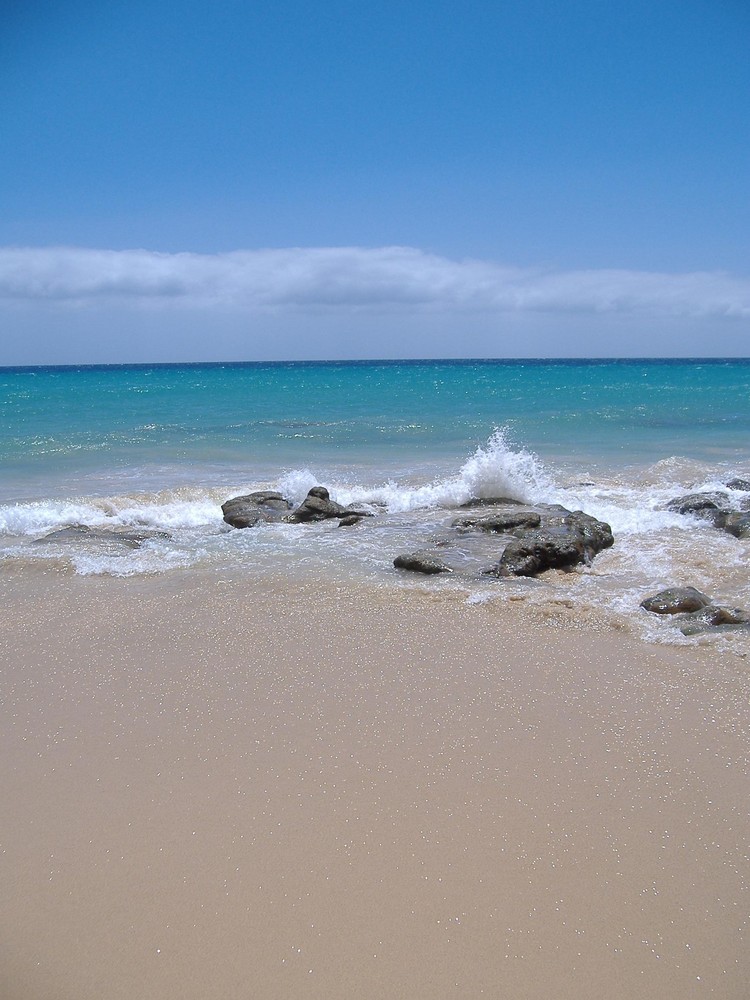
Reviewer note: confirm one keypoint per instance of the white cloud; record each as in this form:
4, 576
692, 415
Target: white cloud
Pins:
353, 278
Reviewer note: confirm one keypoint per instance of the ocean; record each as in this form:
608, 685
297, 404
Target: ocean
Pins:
162, 446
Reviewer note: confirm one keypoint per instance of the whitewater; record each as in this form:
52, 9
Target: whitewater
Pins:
161, 447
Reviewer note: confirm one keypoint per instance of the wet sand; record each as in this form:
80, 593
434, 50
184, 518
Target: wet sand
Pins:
216, 788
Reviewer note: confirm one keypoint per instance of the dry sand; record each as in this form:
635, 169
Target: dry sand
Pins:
213, 790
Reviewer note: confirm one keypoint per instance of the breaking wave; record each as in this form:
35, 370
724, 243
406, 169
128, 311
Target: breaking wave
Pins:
494, 470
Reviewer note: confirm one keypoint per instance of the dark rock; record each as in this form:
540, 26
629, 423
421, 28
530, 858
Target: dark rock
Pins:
421, 562
499, 521
349, 520
491, 502
597, 535
537, 537
676, 600
737, 523
563, 541
318, 506
132, 538
717, 509
699, 504
711, 617
536, 551
247, 511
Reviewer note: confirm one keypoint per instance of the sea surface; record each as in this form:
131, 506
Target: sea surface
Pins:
162, 446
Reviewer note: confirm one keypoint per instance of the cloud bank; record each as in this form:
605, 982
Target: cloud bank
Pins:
341, 279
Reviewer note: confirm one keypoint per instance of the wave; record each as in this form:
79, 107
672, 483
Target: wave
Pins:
654, 547
165, 510
635, 504
494, 470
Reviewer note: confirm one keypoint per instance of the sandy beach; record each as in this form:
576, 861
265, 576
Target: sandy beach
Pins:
218, 787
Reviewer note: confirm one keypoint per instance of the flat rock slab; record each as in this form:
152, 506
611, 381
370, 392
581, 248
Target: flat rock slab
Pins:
500, 521
524, 539
132, 538
492, 502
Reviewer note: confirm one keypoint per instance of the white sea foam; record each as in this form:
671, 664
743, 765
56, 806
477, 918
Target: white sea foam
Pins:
147, 560
495, 470
296, 484
38, 518
165, 511
654, 547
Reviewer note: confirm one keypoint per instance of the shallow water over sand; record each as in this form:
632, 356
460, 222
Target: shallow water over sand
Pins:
654, 548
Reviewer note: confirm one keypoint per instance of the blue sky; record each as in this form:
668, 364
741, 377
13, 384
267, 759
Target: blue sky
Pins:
331, 178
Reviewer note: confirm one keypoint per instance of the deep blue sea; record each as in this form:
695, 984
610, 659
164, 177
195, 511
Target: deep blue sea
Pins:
164, 445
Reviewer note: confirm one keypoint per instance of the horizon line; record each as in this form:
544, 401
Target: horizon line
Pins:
573, 359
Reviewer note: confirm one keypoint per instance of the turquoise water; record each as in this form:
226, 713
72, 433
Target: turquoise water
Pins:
190, 423
162, 447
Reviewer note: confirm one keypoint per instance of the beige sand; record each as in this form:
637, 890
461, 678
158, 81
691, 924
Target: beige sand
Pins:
212, 791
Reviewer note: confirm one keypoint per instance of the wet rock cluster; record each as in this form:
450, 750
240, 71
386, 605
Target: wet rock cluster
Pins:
498, 537
691, 611
694, 613
529, 539
265, 505
717, 508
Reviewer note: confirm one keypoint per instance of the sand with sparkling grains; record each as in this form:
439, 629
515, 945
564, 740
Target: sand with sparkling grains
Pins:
232, 788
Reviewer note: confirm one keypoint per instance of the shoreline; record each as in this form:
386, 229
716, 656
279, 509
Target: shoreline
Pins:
218, 786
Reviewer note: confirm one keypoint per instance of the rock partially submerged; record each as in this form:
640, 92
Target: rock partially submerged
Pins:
675, 601
349, 520
318, 506
500, 520
131, 538
699, 504
421, 562
696, 614
563, 539
717, 508
737, 523
713, 618
247, 511
534, 538
491, 502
